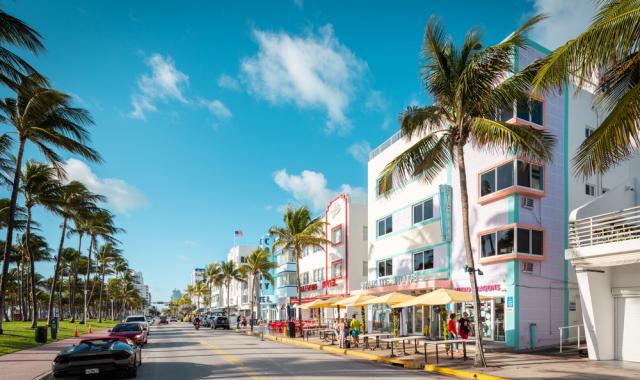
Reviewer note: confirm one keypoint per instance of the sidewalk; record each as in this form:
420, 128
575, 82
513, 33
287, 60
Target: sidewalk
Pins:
506, 365
34, 363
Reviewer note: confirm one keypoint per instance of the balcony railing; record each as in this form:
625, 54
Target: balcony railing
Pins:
605, 228
395, 137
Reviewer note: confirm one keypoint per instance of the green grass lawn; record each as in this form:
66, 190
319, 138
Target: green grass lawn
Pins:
19, 335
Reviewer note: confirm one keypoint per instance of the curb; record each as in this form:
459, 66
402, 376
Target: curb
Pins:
461, 373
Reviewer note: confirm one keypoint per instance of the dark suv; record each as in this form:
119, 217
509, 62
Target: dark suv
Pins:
220, 322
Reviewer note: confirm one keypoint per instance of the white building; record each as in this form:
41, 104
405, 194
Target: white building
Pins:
141, 288
239, 293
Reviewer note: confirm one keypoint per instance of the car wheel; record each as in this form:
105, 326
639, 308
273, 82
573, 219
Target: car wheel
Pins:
132, 372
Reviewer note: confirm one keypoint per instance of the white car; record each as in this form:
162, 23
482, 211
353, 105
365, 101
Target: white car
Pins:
139, 319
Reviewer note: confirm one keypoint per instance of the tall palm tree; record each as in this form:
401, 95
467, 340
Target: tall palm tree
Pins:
81, 222
230, 272
74, 198
40, 186
105, 256
46, 118
257, 265
300, 232
14, 31
467, 85
190, 291
101, 225
201, 289
606, 52
213, 274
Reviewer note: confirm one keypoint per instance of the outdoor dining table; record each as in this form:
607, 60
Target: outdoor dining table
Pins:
327, 332
446, 341
403, 339
312, 330
374, 335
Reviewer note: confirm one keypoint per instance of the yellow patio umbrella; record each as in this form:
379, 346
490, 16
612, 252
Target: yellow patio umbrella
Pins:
329, 303
311, 305
390, 299
356, 301
439, 297
319, 304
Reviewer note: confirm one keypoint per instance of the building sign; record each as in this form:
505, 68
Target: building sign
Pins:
446, 207
329, 283
308, 287
395, 280
481, 288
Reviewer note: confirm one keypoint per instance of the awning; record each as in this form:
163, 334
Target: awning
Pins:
439, 297
388, 299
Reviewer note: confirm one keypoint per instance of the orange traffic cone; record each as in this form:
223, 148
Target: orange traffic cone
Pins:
75, 333
90, 331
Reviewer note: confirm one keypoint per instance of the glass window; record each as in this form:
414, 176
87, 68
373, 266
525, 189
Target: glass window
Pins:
488, 183
385, 226
365, 233
537, 112
385, 268
588, 132
537, 242
336, 235
522, 109
336, 269
506, 113
536, 177
305, 278
524, 174
380, 185
488, 243
523, 240
505, 176
423, 260
590, 189
423, 211
505, 241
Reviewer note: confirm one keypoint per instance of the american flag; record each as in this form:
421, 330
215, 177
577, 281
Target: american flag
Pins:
238, 233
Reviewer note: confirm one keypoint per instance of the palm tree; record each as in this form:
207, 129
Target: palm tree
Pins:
75, 198
258, 264
300, 232
201, 289
106, 255
467, 85
40, 186
46, 118
15, 32
213, 274
230, 272
100, 225
607, 52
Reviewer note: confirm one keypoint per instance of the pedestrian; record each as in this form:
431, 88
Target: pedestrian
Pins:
339, 327
238, 322
355, 330
244, 321
464, 326
347, 333
452, 332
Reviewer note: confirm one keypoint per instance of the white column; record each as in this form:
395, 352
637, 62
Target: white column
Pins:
598, 313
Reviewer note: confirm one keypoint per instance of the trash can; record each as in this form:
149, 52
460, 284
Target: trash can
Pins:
54, 328
41, 334
291, 329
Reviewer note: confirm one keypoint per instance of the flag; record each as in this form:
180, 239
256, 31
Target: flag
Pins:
238, 233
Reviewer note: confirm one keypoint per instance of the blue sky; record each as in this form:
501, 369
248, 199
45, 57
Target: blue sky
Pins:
213, 116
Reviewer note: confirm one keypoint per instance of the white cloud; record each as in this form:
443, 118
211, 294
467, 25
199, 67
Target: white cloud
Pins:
566, 20
376, 101
165, 82
313, 72
360, 151
228, 82
191, 243
120, 195
217, 108
310, 188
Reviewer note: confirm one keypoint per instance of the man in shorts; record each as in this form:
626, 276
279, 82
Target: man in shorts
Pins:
355, 330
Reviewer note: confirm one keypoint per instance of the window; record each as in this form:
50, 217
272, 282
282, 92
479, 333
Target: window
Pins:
382, 187
531, 110
500, 178
588, 131
423, 211
365, 269
318, 275
305, 278
524, 240
385, 226
423, 260
604, 190
365, 233
590, 189
336, 235
243, 259
385, 268
286, 279
336, 269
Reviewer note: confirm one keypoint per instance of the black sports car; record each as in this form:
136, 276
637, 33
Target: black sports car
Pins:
100, 355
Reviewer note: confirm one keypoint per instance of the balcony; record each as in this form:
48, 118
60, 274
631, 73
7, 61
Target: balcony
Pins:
606, 228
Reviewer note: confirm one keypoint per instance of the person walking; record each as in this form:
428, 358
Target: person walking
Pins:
355, 330
452, 332
464, 326
339, 327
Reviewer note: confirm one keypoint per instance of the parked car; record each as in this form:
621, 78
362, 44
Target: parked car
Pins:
133, 331
163, 320
140, 319
173, 319
221, 323
98, 355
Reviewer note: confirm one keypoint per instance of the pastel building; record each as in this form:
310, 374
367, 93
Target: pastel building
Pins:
239, 301
338, 268
518, 211
268, 301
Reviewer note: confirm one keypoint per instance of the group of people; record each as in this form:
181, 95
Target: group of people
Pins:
458, 330
346, 328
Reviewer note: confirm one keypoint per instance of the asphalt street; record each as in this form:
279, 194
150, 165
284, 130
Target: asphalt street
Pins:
178, 351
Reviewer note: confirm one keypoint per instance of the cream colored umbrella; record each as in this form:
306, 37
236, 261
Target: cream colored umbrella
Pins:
389, 299
356, 300
311, 305
439, 297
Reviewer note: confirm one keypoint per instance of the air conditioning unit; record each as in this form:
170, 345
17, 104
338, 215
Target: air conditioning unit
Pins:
527, 267
527, 202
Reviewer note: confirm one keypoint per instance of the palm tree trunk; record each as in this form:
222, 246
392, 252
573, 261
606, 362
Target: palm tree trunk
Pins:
75, 279
21, 288
479, 358
100, 301
55, 272
60, 309
9, 240
228, 304
253, 293
299, 292
32, 274
86, 280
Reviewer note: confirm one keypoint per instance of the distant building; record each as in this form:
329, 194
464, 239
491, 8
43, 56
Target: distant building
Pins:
198, 275
176, 295
142, 289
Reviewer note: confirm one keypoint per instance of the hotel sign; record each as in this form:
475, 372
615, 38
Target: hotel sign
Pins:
394, 281
308, 287
329, 283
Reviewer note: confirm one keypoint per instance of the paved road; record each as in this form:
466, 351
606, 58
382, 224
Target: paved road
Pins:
177, 351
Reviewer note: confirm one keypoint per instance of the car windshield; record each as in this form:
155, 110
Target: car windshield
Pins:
95, 344
126, 327
135, 319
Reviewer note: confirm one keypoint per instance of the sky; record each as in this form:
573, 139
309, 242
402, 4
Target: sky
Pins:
213, 116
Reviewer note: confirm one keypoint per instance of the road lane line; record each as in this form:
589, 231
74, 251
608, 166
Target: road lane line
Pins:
231, 359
